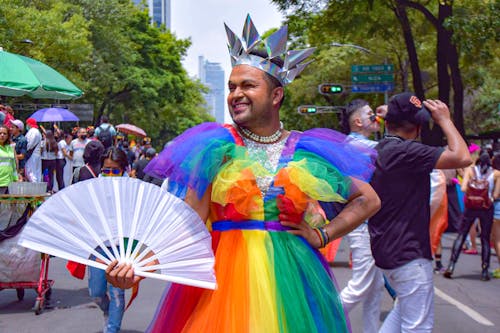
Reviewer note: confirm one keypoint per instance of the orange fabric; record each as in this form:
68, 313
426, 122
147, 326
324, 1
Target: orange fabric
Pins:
292, 191
135, 292
225, 310
439, 223
243, 193
330, 251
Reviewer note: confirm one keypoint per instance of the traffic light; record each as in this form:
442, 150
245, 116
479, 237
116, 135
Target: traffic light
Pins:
330, 88
307, 109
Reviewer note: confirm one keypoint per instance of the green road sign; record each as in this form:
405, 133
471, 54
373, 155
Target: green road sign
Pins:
372, 78
372, 68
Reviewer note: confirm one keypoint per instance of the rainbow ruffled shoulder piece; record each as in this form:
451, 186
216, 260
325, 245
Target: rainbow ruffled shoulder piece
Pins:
321, 167
193, 158
343, 152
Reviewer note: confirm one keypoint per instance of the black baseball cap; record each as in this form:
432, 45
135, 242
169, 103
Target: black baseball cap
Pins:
407, 106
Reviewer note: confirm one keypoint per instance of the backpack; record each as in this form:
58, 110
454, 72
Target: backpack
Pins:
477, 192
105, 137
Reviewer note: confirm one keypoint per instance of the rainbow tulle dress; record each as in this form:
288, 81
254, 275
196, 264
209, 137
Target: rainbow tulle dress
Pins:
268, 279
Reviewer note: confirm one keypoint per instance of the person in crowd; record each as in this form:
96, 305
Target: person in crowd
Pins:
454, 210
50, 150
33, 166
91, 133
129, 153
8, 114
257, 182
366, 283
8, 167
77, 147
92, 157
139, 165
439, 216
146, 144
21, 148
63, 144
105, 132
111, 300
399, 231
495, 231
61, 159
470, 244
483, 211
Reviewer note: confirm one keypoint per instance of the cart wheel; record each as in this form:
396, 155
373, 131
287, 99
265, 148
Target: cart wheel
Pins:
20, 293
38, 307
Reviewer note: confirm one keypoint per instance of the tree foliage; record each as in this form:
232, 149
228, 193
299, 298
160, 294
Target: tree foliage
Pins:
454, 44
129, 69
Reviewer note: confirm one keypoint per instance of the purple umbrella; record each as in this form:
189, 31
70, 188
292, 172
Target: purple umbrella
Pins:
54, 114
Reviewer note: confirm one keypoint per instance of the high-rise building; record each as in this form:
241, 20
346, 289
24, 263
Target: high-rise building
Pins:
159, 11
212, 75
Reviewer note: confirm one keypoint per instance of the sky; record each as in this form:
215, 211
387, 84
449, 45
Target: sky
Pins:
203, 21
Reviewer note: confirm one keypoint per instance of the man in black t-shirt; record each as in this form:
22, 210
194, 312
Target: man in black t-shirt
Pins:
399, 232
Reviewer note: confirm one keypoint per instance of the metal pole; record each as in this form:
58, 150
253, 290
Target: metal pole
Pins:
386, 93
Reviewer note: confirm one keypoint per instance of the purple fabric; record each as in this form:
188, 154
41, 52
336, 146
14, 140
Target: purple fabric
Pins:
193, 158
348, 156
248, 225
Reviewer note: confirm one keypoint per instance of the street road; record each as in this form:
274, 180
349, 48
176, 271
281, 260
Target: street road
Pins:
464, 304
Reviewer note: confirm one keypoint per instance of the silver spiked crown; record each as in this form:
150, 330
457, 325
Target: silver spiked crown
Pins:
274, 45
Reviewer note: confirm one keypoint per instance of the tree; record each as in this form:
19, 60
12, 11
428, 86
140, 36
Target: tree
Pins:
127, 68
346, 18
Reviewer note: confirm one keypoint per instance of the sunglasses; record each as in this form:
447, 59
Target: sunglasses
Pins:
111, 171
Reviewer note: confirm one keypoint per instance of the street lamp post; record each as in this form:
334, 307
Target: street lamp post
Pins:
365, 50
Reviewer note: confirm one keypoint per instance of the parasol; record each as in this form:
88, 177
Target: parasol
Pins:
53, 115
20, 75
131, 129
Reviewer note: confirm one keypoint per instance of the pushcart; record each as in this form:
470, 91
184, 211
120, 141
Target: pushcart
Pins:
42, 285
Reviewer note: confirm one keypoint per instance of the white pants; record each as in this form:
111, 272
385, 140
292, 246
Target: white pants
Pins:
33, 169
414, 307
367, 281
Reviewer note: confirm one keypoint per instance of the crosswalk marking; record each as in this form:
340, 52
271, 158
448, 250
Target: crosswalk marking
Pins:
464, 308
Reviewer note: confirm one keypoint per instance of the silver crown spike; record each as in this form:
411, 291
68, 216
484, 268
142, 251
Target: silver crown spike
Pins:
234, 43
294, 57
276, 43
250, 34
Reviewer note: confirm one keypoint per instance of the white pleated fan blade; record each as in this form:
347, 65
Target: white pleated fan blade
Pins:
129, 220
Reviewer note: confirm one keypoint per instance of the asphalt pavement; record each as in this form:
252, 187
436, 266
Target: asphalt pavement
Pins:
464, 304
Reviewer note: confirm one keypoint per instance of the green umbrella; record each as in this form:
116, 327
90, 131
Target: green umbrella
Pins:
20, 75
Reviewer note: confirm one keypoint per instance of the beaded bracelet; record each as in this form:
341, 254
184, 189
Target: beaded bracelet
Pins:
322, 235
321, 239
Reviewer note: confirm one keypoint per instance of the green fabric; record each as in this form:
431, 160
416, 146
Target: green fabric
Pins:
20, 75
322, 169
134, 243
304, 287
8, 173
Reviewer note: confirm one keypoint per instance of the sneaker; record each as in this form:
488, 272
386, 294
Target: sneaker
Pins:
471, 251
485, 275
496, 273
439, 270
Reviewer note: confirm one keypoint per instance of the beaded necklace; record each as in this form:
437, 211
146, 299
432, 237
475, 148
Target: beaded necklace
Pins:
262, 139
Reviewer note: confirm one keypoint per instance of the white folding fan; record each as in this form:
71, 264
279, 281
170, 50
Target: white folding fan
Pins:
129, 220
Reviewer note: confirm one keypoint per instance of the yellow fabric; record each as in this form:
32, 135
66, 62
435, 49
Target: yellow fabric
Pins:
236, 185
263, 316
231, 301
